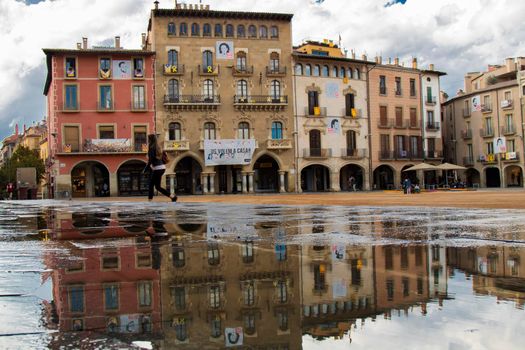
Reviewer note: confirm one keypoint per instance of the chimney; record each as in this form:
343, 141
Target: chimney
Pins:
143, 39
117, 42
85, 43
396, 61
431, 66
79, 46
509, 62
156, 5
414, 63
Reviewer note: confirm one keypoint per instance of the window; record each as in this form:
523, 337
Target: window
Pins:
177, 250
398, 86
263, 32
181, 331
210, 134
511, 146
390, 289
488, 126
105, 97
207, 89
350, 73
389, 258
171, 28
470, 152
490, 147
174, 132
275, 90
382, 85
252, 31
215, 297
430, 118
139, 97
350, 105
195, 29
383, 115
404, 257
241, 61
317, 71
413, 117
414, 145
399, 117
342, 72
183, 29
244, 130
313, 102
71, 97
216, 327
351, 141
179, 294
509, 123
274, 32
218, 30
400, 146
249, 324
274, 62
106, 132
207, 61
277, 131
76, 299
173, 58
105, 67
140, 137
229, 31
419, 285
307, 70
430, 98
280, 252
138, 68
357, 74
298, 69
319, 277
282, 292
249, 293
242, 88
241, 32
412, 87
71, 138
71, 67
206, 29
111, 297
144, 289
315, 147
173, 90
247, 247
334, 72
406, 287
324, 71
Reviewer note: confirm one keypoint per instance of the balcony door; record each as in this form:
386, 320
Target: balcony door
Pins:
313, 101
315, 143
72, 138
351, 142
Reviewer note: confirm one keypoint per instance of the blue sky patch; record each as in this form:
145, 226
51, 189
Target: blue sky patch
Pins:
393, 2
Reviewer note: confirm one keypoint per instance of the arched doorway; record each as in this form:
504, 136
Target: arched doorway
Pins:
492, 178
188, 175
513, 176
266, 174
351, 170
89, 179
412, 174
131, 180
315, 178
472, 177
384, 178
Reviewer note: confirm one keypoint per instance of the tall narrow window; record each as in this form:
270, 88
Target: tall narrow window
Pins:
414, 145
317, 70
241, 32
145, 296
216, 327
138, 67
315, 142
218, 30
215, 297
412, 87
399, 117
307, 70
105, 67
313, 102
208, 89
242, 88
174, 131
342, 72
173, 58
263, 32
210, 134
173, 90
357, 74
398, 86
177, 249
350, 105
488, 126
274, 62
413, 118
282, 291
244, 130
179, 294
249, 293
139, 137
324, 71
183, 29
171, 28
252, 31
195, 29
382, 85
105, 97
206, 29
71, 97
241, 61
334, 72
76, 299
71, 67
298, 69
229, 31
430, 98
277, 131
71, 138
383, 116
207, 61
350, 73
247, 247
274, 32
275, 90
111, 294
139, 97
351, 142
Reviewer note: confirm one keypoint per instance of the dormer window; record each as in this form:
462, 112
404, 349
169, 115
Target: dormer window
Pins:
105, 68
71, 67
138, 68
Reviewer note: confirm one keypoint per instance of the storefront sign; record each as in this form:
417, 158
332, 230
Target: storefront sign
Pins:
228, 152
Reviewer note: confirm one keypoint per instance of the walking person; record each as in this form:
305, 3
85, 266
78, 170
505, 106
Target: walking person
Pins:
407, 186
156, 163
352, 183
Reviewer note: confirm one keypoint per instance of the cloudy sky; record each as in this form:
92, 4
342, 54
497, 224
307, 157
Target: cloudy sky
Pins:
456, 35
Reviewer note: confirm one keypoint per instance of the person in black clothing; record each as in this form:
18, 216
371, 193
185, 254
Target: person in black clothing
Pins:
157, 167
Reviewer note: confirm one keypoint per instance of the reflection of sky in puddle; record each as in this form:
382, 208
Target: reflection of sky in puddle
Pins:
282, 276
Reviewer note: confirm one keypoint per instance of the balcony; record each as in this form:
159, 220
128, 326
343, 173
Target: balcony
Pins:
276, 144
208, 70
466, 134
174, 69
466, 112
105, 106
104, 146
260, 102
315, 111
317, 153
385, 123
191, 102
510, 157
507, 104
433, 155
353, 113
508, 130
430, 100
242, 71
400, 155
401, 124
468, 161
486, 108
275, 71
432, 126
483, 132
488, 158
179, 145
353, 153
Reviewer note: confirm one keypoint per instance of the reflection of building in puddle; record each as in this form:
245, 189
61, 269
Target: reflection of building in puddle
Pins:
109, 290
495, 271
230, 294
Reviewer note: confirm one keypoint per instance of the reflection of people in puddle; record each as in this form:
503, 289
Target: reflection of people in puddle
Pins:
158, 234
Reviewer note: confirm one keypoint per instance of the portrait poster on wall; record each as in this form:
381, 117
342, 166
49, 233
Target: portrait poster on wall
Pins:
334, 126
224, 50
500, 145
121, 69
475, 102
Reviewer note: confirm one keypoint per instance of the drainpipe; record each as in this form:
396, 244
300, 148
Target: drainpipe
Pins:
522, 102
369, 134
296, 132
501, 177
423, 134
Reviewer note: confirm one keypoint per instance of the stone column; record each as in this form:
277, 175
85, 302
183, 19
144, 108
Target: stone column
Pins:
212, 183
366, 180
482, 179
334, 182
172, 183
113, 185
281, 181
204, 181
250, 182
243, 182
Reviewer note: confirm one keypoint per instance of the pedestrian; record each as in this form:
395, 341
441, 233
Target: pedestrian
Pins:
407, 185
156, 164
351, 182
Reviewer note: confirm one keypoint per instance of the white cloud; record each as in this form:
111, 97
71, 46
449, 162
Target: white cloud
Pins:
457, 36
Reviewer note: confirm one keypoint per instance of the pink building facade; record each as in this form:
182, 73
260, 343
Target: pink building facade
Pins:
100, 107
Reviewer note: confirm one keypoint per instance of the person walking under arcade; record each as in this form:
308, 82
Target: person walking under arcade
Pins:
157, 165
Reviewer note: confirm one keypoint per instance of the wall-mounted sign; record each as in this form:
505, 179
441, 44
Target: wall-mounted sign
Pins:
332, 90
121, 69
233, 336
334, 126
228, 152
500, 145
224, 50
475, 102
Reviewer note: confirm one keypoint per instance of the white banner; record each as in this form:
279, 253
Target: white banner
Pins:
121, 69
233, 336
500, 145
224, 50
475, 104
228, 152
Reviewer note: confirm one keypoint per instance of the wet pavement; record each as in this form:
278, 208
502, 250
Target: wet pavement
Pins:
118, 275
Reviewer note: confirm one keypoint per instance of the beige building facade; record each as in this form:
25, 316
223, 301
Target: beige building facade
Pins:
223, 75
484, 126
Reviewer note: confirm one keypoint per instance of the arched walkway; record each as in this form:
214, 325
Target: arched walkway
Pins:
266, 174
349, 171
412, 174
384, 178
513, 176
492, 178
131, 180
315, 178
90, 179
187, 175
472, 177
